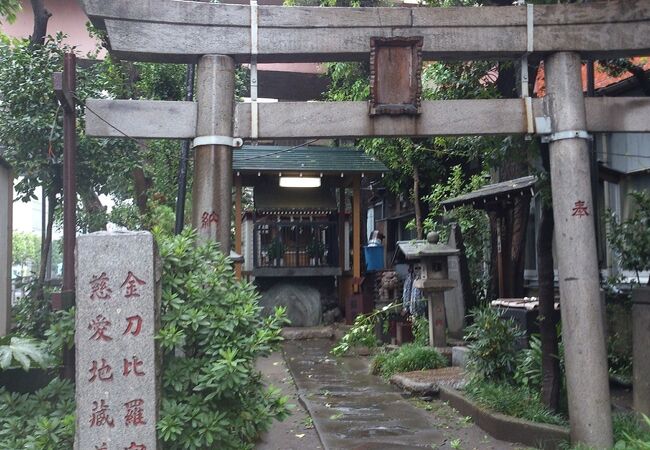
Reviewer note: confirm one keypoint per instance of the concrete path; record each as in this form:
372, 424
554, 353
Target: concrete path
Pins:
352, 409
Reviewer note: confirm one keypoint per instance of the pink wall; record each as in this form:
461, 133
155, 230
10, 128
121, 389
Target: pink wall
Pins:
67, 16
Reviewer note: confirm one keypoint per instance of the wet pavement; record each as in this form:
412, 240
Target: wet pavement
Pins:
352, 409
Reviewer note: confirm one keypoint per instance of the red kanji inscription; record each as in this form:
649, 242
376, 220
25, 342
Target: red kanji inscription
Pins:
133, 366
134, 325
135, 446
580, 209
134, 413
100, 415
102, 447
99, 326
209, 218
132, 282
99, 287
103, 372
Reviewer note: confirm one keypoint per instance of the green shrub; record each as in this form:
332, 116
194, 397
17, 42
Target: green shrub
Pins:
362, 332
631, 433
43, 420
420, 330
529, 364
22, 352
516, 401
407, 358
212, 395
492, 350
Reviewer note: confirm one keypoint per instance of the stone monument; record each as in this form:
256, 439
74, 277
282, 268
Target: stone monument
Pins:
117, 362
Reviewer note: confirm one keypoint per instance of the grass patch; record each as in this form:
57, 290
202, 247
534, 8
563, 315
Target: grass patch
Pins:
513, 401
407, 358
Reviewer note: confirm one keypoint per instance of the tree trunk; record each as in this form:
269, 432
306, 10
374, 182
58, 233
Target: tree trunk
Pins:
46, 246
41, 18
141, 185
416, 203
95, 210
551, 376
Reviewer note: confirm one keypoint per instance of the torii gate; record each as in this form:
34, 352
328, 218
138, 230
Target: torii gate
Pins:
220, 35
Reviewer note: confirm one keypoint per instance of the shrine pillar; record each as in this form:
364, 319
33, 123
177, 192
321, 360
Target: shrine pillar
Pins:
212, 190
573, 207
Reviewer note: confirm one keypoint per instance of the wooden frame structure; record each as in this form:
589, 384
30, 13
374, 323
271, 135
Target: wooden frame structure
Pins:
219, 35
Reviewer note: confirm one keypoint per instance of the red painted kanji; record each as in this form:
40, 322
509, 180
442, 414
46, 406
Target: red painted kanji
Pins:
99, 326
580, 209
134, 413
101, 447
100, 415
132, 282
103, 372
99, 287
209, 218
135, 446
133, 365
134, 325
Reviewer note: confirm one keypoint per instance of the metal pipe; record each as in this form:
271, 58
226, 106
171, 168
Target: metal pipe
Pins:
69, 175
185, 154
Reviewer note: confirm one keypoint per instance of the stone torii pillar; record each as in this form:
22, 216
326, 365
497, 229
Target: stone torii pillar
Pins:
582, 315
212, 189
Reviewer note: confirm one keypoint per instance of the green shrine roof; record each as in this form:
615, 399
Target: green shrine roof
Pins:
263, 158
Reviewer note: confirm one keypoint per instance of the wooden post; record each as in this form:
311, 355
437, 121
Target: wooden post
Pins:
238, 217
437, 333
582, 309
212, 191
356, 230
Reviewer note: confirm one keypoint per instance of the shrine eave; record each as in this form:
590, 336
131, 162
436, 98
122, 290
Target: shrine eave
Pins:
494, 195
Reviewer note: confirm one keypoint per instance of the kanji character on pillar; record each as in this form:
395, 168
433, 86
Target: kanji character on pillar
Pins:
99, 326
99, 287
100, 416
135, 446
103, 372
134, 325
133, 365
134, 413
101, 447
580, 209
132, 282
209, 218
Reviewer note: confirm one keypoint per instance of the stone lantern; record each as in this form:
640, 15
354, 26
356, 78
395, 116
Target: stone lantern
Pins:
431, 257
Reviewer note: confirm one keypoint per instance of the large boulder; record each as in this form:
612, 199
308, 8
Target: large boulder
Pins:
302, 301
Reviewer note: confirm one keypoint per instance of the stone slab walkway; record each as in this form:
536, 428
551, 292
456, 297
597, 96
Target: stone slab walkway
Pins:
352, 409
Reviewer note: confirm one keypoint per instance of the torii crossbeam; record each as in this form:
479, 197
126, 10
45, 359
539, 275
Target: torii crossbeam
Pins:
219, 35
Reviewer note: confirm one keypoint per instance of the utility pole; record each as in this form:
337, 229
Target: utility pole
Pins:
573, 208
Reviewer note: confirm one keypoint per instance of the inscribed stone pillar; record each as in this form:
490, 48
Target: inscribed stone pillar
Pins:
212, 190
454, 298
641, 352
6, 205
573, 209
118, 314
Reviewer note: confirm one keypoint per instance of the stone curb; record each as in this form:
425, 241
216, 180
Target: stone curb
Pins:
506, 428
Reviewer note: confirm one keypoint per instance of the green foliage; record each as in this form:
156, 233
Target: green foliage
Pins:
492, 345
362, 333
212, 395
529, 364
630, 433
276, 249
31, 316
60, 335
43, 420
9, 9
26, 249
517, 401
407, 358
315, 248
420, 327
630, 238
474, 224
21, 352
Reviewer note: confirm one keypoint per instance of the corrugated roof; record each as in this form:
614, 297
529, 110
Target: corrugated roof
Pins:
264, 158
496, 192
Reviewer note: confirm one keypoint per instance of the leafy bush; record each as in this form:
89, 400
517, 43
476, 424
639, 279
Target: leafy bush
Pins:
407, 358
31, 316
42, 420
211, 333
516, 401
529, 364
492, 353
630, 433
420, 330
21, 352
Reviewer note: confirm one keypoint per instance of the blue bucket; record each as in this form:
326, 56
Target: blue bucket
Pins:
374, 257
